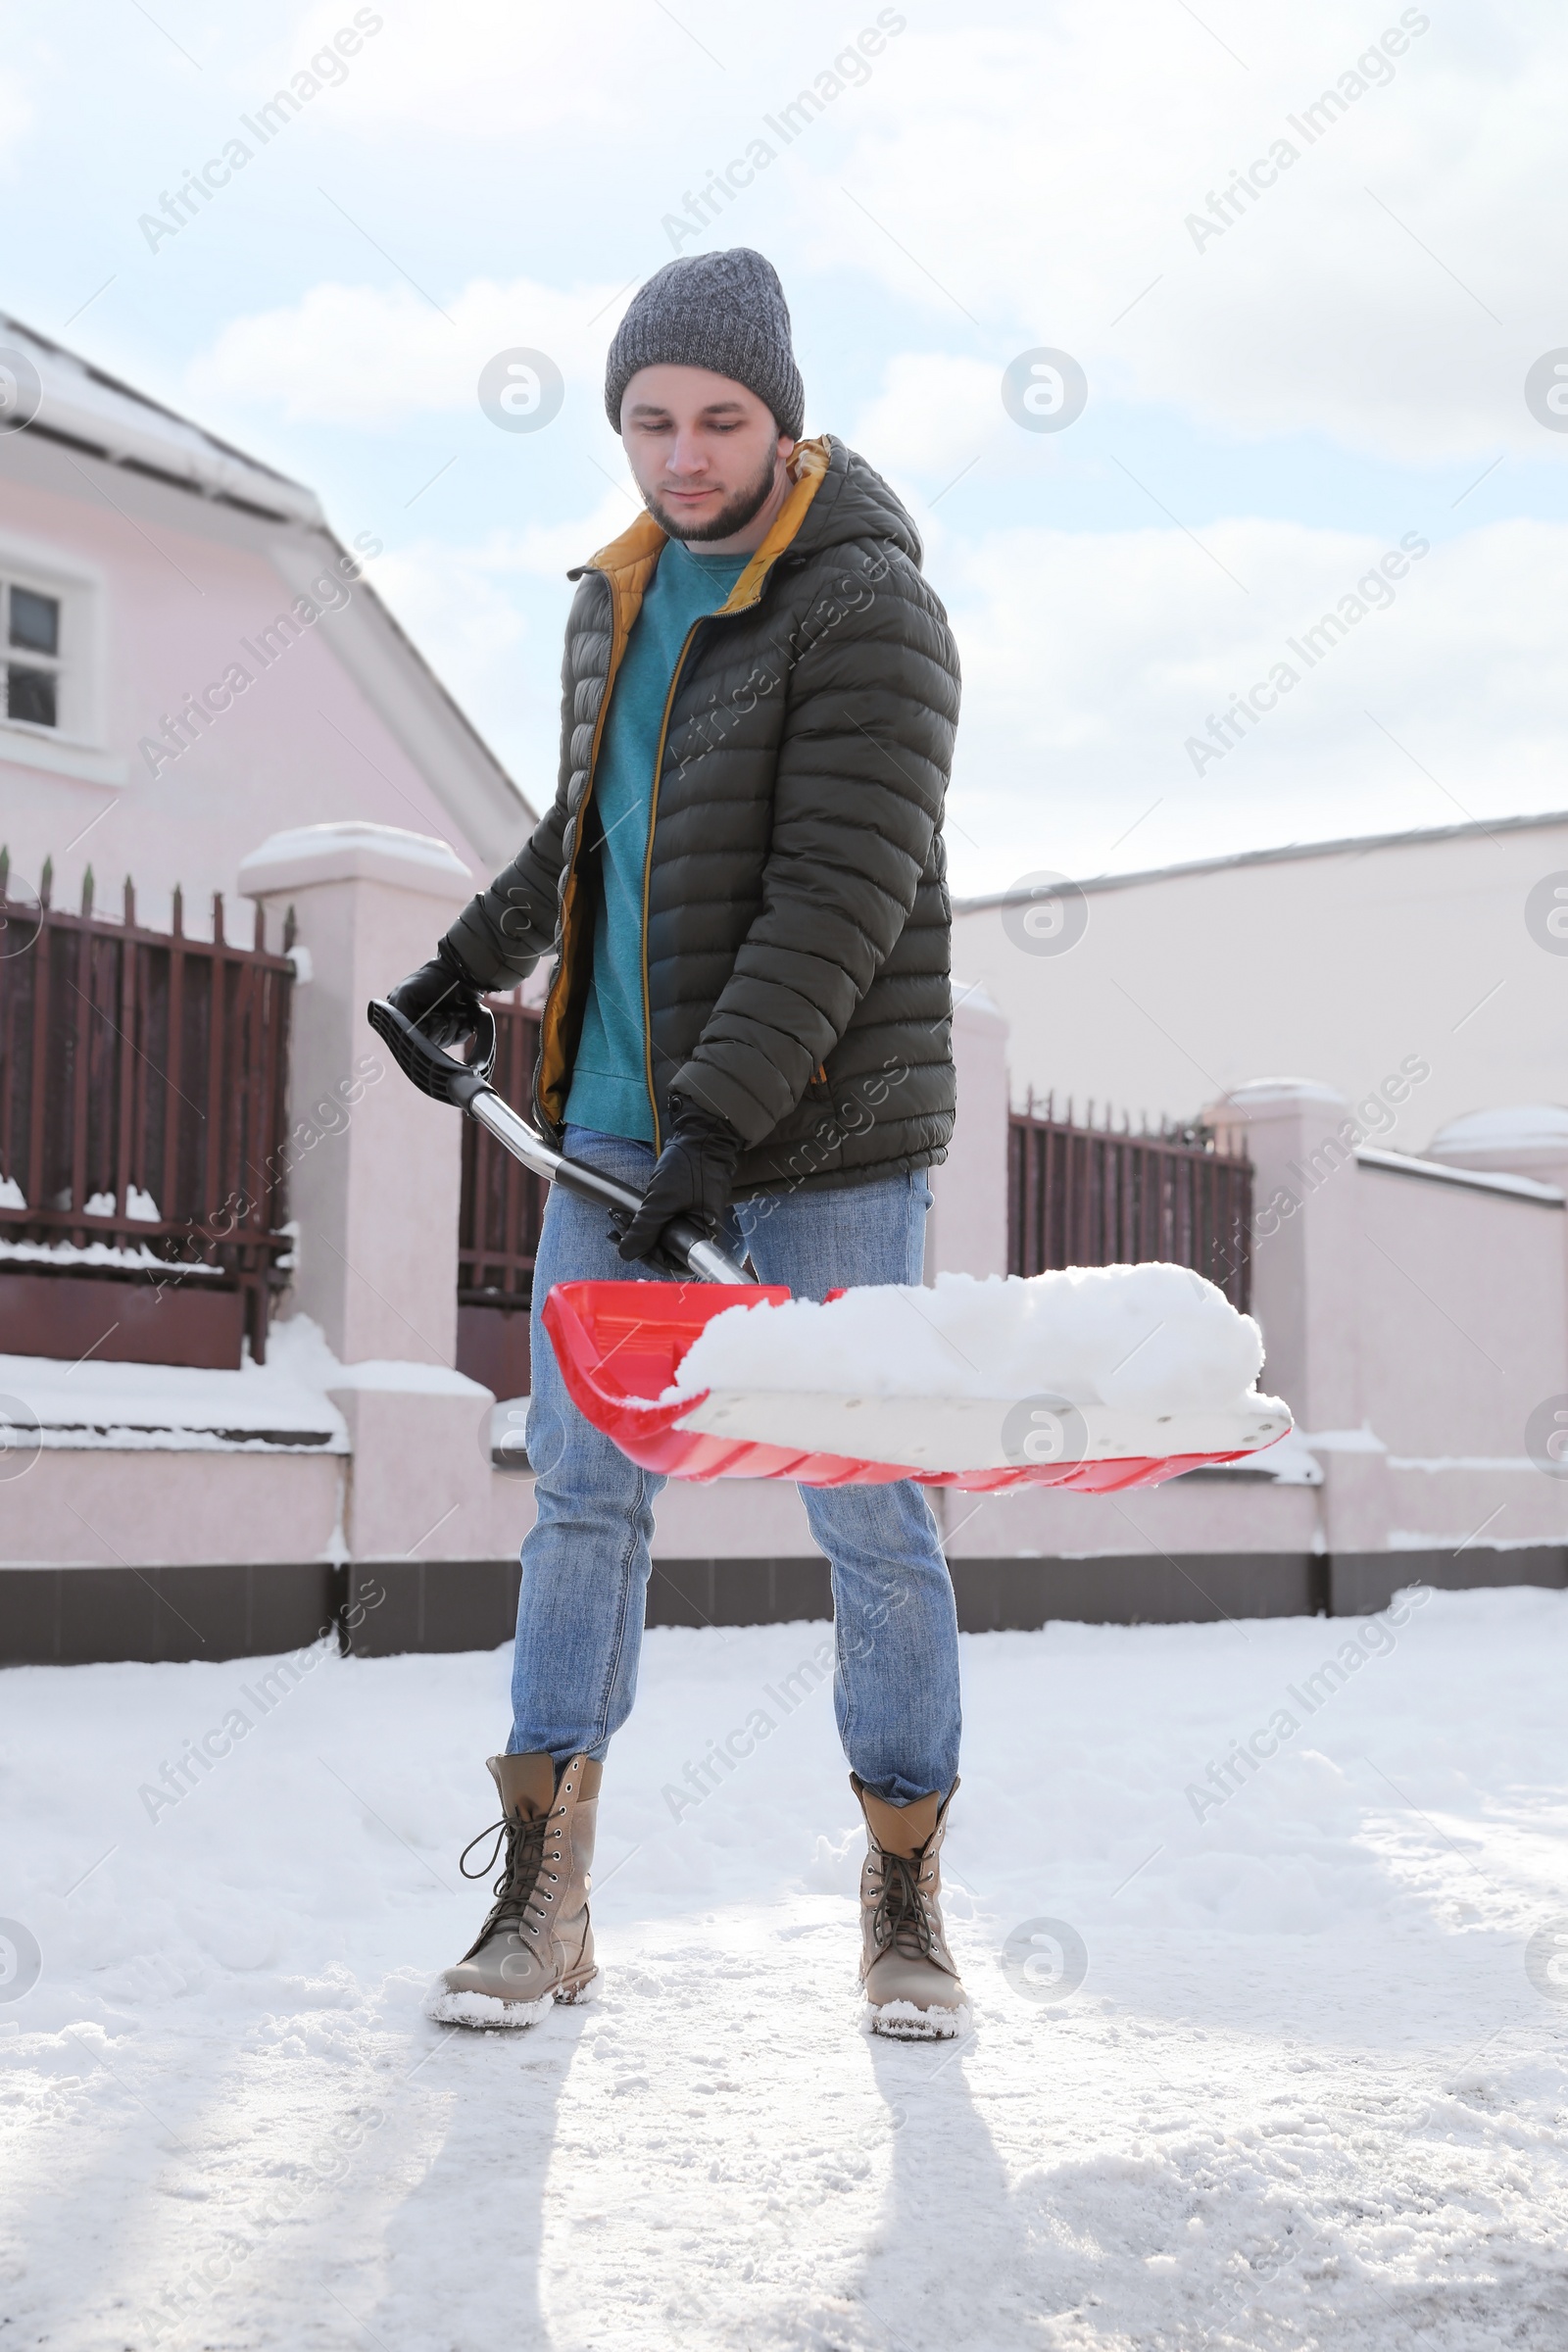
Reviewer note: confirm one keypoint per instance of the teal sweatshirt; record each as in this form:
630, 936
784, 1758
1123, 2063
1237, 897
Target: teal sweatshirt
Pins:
609, 1079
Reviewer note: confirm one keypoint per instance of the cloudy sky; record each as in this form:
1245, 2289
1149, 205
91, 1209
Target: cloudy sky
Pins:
1307, 327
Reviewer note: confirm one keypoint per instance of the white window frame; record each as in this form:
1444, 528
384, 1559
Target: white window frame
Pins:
76, 745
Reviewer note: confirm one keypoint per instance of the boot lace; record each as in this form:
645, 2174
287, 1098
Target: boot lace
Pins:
900, 1922
518, 1883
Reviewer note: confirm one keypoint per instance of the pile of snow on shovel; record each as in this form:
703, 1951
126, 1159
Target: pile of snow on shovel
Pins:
1149, 1339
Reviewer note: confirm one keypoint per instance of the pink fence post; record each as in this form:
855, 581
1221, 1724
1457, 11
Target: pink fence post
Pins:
374, 1175
1306, 1288
967, 1229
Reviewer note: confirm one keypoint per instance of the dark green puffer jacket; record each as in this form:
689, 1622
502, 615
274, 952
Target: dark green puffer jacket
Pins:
796, 913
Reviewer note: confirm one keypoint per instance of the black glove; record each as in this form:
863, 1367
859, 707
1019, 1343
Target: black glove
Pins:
692, 1178
440, 998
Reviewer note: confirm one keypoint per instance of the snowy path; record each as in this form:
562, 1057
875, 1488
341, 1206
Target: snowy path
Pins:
1307, 2094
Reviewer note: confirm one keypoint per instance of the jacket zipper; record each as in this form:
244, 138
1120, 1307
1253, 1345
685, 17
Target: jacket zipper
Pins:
561, 975
723, 613
648, 874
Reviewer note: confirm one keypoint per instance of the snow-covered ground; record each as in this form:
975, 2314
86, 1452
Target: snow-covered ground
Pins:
1310, 2092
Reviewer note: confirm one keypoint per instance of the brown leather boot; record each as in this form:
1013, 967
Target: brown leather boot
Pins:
907, 1970
537, 1946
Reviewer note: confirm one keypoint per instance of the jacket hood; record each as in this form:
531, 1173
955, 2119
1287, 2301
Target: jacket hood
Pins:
854, 501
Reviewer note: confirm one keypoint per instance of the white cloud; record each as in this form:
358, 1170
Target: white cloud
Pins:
1091, 659
1024, 182
488, 620
475, 69
547, 550
15, 114
933, 408
366, 355
1391, 288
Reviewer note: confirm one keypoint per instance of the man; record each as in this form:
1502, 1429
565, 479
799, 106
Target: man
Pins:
742, 880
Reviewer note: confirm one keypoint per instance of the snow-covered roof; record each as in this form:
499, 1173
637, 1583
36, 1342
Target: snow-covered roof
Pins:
1512, 1127
1348, 844
1438, 1171
1257, 1092
83, 405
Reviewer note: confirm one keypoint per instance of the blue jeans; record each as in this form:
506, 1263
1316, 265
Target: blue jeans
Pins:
585, 1561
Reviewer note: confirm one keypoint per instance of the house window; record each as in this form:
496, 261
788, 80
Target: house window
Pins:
32, 650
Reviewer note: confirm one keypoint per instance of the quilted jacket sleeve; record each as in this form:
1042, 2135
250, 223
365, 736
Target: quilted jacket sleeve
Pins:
502, 933
870, 718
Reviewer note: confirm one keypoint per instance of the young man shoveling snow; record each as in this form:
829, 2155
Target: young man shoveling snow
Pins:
743, 878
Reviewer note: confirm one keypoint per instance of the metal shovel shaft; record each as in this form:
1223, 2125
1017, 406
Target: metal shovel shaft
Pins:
707, 1261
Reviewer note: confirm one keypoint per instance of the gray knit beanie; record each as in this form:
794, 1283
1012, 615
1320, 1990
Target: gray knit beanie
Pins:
721, 310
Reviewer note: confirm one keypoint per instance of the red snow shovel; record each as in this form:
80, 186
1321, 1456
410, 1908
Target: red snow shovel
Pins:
620, 1345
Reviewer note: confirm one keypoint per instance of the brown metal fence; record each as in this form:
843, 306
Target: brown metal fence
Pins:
498, 1224
143, 1080
1087, 1196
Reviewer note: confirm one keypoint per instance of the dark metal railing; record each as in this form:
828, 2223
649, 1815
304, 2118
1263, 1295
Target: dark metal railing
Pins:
1087, 1196
143, 1083
503, 1205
